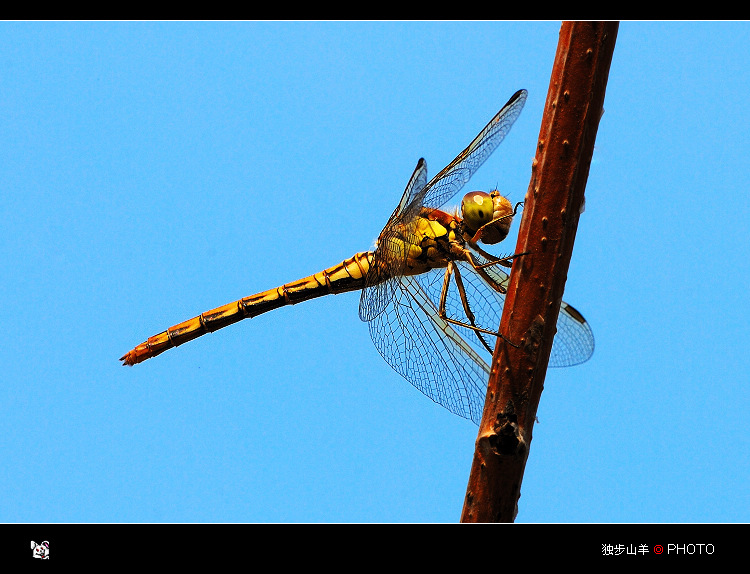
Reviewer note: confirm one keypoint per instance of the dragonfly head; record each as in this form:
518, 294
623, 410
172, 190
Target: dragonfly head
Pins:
486, 216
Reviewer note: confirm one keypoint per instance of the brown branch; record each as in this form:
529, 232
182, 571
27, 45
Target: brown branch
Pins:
552, 207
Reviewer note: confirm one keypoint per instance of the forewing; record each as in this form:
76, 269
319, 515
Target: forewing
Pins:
390, 255
416, 184
456, 174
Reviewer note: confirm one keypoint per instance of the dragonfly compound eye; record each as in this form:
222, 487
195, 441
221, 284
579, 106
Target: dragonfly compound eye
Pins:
476, 209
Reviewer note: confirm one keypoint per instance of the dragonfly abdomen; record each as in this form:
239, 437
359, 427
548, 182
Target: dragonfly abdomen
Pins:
349, 275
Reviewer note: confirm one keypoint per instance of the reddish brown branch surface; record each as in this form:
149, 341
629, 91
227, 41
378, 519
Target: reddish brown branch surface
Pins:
550, 219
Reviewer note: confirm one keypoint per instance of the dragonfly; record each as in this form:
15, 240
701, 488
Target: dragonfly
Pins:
431, 295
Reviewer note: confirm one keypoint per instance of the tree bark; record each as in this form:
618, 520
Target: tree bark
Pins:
553, 204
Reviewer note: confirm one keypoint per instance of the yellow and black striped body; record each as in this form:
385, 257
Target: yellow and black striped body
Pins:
432, 241
428, 239
346, 276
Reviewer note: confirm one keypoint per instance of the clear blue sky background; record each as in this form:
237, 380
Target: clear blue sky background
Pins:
152, 171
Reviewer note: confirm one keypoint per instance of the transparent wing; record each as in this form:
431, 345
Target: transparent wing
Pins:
428, 352
390, 254
447, 362
456, 174
574, 340
485, 303
382, 277
417, 183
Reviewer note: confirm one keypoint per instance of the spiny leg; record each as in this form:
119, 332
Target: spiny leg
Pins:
493, 259
466, 255
450, 269
467, 310
479, 268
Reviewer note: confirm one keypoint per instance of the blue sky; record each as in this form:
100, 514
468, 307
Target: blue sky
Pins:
153, 171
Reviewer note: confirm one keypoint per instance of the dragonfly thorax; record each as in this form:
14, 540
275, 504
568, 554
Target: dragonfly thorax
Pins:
431, 240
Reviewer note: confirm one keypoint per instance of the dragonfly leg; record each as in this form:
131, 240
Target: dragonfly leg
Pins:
451, 269
466, 255
467, 310
493, 259
504, 261
479, 267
